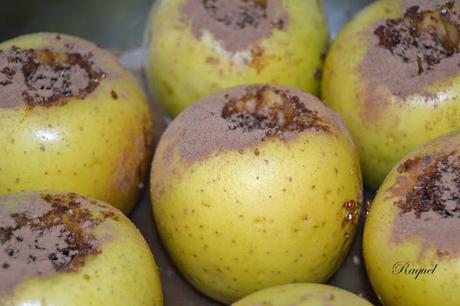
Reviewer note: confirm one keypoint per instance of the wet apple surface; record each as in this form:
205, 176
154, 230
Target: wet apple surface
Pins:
411, 255
71, 118
65, 249
240, 196
393, 76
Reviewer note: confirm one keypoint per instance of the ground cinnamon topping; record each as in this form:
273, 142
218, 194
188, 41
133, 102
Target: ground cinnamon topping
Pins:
436, 190
407, 55
272, 110
428, 200
237, 24
423, 38
243, 117
246, 14
49, 76
46, 234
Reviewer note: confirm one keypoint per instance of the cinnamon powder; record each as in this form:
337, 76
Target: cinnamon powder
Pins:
237, 24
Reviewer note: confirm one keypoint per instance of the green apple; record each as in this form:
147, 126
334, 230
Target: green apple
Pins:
195, 47
64, 249
302, 295
393, 76
256, 186
71, 119
411, 241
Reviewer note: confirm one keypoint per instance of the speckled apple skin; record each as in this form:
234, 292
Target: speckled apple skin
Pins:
381, 251
237, 222
302, 295
180, 73
97, 147
123, 273
400, 126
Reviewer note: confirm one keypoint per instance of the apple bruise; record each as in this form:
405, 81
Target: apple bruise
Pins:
51, 234
133, 164
44, 77
275, 111
423, 38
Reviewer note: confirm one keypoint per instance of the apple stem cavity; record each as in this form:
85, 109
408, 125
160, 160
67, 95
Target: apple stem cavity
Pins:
271, 110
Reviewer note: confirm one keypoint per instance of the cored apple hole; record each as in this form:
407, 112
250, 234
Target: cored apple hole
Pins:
273, 110
423, 38
437, 189
50, 76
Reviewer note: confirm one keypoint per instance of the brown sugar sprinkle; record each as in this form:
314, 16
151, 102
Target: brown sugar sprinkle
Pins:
8, 72
61, 236
8, 75
352, 209
437, 189
407, 165
423, 38
249, 14
50, 76
272, 110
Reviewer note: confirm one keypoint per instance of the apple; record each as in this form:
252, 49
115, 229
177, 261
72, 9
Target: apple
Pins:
393, 76
256, 186
71, 119
302, 295
64, 249
195, 47
411, 246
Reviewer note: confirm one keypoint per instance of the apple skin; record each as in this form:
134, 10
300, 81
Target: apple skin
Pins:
404, 123
123, 273
273, 213
180, 72
302, 295
382, 252
97, 146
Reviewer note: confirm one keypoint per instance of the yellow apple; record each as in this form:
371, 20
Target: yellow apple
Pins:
393, 76
195, 47
302, 295
71, 119
256, 186
411, 241
64, 249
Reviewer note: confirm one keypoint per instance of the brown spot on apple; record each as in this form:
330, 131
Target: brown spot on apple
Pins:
132, 164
